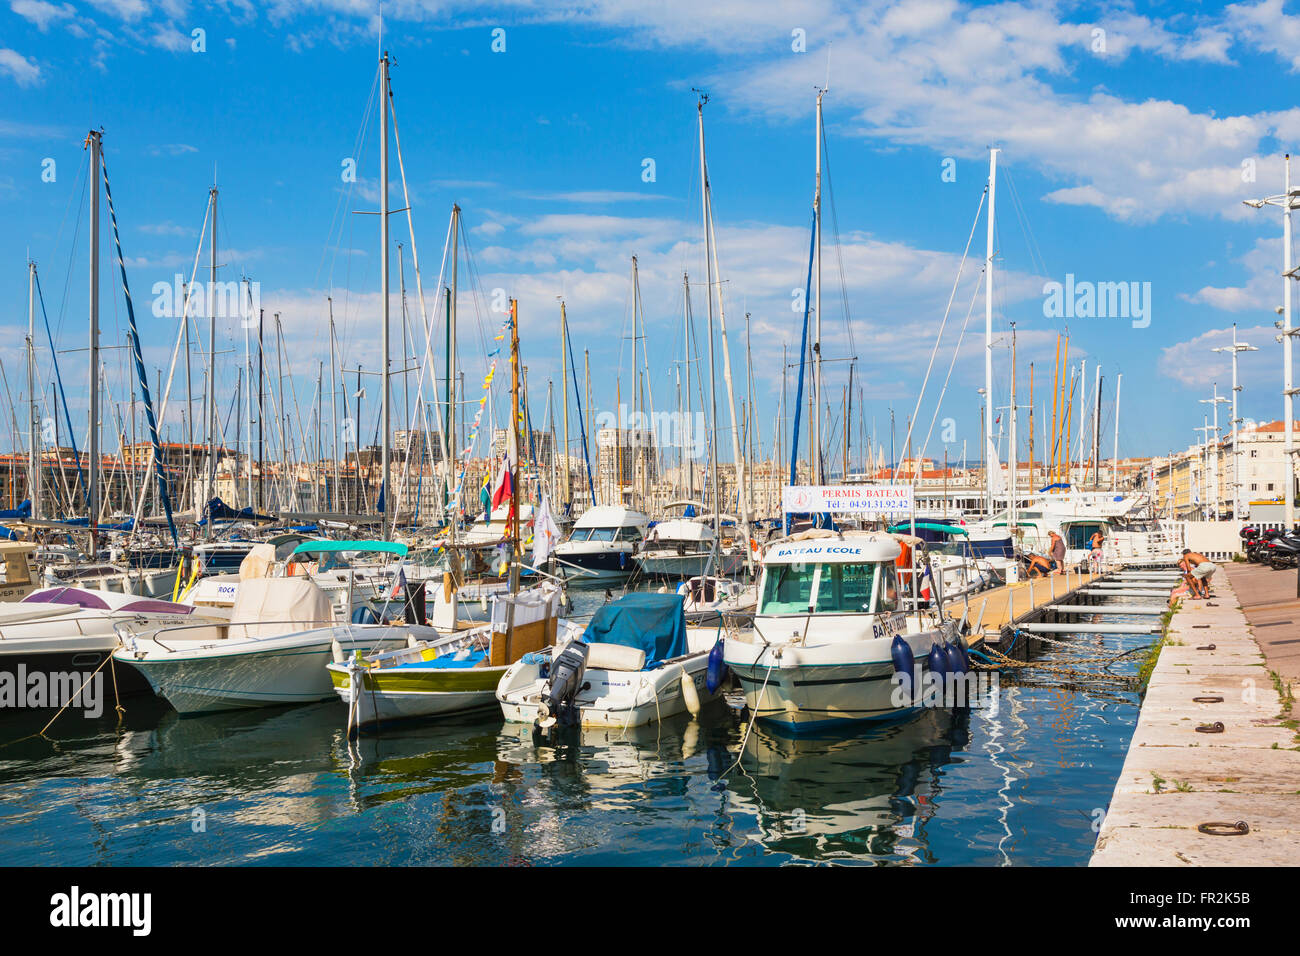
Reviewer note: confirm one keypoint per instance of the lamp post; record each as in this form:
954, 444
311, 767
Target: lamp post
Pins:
1235, 348
1216, 401
1289, 200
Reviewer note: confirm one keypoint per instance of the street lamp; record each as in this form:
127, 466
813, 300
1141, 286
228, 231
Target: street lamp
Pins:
1289, 200
1235, 348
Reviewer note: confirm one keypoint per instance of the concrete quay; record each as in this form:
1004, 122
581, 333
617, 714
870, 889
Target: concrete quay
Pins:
1176, 779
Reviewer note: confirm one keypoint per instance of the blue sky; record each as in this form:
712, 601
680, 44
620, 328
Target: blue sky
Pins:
1122, 160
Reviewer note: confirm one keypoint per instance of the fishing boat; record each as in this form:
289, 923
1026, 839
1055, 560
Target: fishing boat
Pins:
602, 545
636, 662
447, 673
830, 632
458, 672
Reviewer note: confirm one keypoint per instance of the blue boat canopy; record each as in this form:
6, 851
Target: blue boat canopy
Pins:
323, 547
654, 623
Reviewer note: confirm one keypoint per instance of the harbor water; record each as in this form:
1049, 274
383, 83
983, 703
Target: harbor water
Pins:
1022, 783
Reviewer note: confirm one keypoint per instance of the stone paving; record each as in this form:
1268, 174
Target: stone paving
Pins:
1175, 778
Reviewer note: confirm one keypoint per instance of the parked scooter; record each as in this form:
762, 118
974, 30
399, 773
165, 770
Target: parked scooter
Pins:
1283, 551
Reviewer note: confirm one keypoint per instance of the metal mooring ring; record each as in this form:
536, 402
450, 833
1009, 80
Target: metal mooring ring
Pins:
1207, 700
1240, 828
1207, 647
1214, 728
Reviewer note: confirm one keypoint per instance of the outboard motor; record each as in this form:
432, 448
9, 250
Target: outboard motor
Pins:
557, 705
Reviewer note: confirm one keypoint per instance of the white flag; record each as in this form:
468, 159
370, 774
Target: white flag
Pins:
546, 533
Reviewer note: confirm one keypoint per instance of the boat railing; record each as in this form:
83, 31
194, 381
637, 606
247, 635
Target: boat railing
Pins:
222, 630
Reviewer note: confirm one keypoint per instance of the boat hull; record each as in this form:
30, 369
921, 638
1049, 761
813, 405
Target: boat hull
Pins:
410, 693
247, 673
808, 689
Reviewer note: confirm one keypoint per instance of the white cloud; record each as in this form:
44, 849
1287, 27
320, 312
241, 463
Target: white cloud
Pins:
25, 72
41, 13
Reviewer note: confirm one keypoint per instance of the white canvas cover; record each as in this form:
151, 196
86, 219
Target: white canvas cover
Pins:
257, 563
271, 606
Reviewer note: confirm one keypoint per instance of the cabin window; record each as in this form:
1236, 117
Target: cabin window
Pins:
888, 589
602, 534
787, 588
845, 588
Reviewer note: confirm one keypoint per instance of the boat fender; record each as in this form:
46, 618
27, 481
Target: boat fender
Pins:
716, 675
904, 662
954, 660
938, 661
690, 694
336, 651
960, 646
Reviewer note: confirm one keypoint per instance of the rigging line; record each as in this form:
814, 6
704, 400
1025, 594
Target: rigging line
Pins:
951, 365
839, 248
58, 379
154, 460
426, 319
961, 266
72, 250
139, 362
345, 195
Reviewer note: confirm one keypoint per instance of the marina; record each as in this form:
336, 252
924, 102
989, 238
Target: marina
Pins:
615, 437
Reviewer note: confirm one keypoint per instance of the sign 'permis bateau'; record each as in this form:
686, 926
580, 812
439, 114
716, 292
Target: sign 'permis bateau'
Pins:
854, 499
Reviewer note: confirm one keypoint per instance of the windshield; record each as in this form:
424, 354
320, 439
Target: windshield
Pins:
839, 588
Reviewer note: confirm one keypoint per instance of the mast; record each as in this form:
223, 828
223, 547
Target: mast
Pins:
988, 330
334, 413
1114, 466
816, 452
386, 464
92, 500
453, 295
512, 449
564, 389
708, 298
686, 334
212, 359
34, 456
1012, 455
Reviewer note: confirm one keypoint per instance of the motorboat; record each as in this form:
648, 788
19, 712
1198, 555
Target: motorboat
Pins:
602, 545
678, 548
830, 632
65, 630
283, 630
636, 662
708, 599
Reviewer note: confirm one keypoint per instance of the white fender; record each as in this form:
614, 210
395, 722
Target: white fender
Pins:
689, 694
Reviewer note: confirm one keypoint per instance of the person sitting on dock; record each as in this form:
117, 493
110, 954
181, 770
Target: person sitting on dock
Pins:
1198, 571
1057, 551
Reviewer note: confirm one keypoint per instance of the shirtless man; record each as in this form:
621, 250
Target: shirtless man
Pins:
1096, 541
1197, 569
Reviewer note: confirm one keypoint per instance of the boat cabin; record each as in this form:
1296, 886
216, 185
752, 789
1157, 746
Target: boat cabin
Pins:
820, 572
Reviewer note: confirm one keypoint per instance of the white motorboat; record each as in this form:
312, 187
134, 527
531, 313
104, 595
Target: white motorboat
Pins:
602, 544
636, 662
830, 632
65, 630
280, 636
679, 548
708, 599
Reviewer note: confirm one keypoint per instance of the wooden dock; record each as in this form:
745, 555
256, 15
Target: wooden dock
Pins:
990, 612
1055, 604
